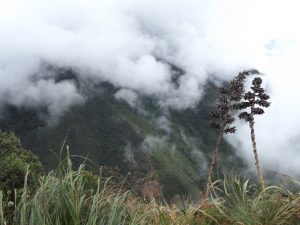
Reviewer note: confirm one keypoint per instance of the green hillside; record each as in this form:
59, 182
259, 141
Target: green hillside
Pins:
111, 133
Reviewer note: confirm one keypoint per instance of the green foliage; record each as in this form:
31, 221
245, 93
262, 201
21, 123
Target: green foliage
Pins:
15, 163
65, 197
241, 203
9, 143
77, 197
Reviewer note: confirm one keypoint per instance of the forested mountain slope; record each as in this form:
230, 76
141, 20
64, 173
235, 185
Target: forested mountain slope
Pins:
171, 146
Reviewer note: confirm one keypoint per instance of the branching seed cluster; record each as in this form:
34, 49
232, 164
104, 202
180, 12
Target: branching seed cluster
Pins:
254, 100
230, 96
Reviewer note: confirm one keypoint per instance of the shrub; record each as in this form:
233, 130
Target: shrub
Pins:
15, 163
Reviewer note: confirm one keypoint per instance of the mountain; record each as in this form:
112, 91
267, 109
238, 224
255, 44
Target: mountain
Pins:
171, 147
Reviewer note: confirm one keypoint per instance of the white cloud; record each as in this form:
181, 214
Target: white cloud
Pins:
128, 96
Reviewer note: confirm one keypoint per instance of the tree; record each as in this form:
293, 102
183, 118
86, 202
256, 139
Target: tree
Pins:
254, 101
15, 162
223, 119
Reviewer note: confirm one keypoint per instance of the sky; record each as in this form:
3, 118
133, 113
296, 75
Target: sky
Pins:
129, 43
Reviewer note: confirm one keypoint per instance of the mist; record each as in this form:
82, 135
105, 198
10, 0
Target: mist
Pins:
132, 44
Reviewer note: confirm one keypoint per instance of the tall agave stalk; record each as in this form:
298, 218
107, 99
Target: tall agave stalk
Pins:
223, 120
255, 100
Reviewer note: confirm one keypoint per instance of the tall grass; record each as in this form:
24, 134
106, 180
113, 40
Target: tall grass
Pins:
68, 196
65, 197
76, 197
241, 203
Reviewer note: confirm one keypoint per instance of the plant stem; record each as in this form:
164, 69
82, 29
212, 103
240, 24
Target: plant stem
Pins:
257, 163
213, 163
